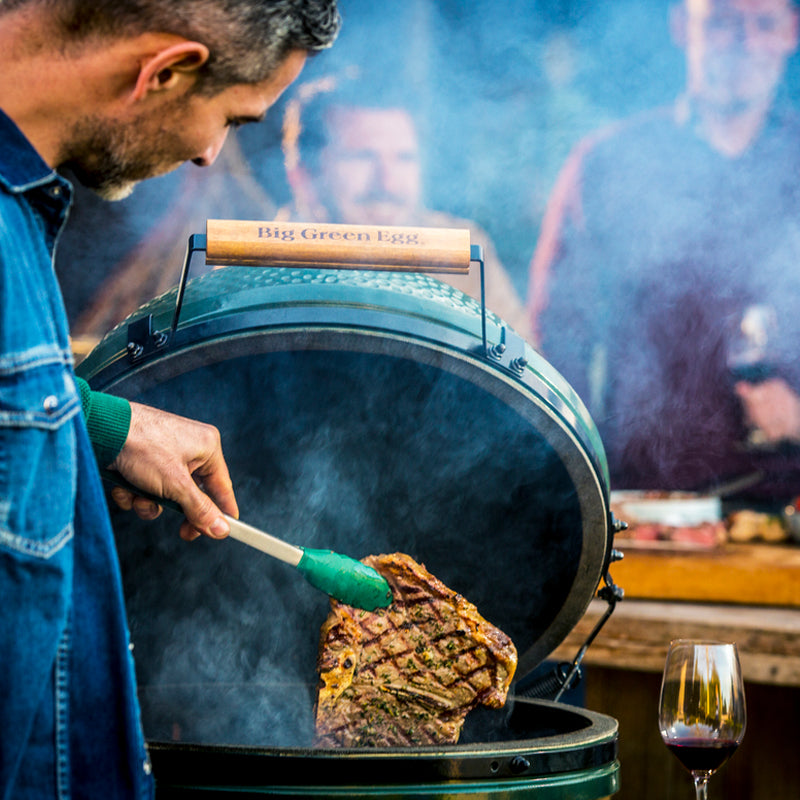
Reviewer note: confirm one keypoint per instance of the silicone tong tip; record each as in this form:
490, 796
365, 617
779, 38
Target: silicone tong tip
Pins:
345, 579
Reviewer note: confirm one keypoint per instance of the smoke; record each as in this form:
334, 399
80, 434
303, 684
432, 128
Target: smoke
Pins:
362, 454
502, 90
359, 453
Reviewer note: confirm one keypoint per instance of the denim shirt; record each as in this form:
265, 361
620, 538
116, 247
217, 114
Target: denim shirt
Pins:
69, 717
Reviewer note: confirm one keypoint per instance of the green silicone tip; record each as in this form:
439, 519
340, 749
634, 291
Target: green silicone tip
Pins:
345, 579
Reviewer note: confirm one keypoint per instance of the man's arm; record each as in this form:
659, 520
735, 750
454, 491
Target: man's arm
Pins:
165, 455
772, 407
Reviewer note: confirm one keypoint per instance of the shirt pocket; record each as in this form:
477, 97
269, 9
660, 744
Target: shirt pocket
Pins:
38, 472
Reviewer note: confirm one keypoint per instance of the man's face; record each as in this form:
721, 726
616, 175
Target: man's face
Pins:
737, 50
370, 170
112, 153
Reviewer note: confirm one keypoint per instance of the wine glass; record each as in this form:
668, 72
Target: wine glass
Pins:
751, 355
702, 712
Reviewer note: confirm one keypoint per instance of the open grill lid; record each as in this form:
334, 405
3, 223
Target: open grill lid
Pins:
364, 412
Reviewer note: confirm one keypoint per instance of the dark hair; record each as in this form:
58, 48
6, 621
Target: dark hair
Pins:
247, 39
306, 115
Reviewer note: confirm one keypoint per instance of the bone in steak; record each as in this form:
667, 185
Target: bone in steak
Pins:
408, 675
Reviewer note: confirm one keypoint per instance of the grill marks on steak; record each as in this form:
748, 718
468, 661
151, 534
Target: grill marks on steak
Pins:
409, 674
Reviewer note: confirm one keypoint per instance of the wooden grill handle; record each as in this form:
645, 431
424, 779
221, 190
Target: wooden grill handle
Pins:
317, 245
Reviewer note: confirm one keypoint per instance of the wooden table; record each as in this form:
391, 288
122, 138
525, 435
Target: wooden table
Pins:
749, 594
750, 574
639, 632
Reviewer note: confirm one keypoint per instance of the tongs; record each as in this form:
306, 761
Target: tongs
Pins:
339, 576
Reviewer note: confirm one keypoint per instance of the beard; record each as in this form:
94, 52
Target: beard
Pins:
371, 207
735, 84
110, 157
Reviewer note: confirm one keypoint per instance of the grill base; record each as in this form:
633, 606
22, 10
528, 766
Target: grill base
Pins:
533, 749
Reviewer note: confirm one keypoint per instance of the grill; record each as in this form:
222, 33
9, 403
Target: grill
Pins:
365, 412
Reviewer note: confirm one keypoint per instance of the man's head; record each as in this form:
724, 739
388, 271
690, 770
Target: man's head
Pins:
736, 51
352, 156
246, 39
137, 87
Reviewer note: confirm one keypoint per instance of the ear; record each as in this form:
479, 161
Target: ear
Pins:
677, 24
165, 69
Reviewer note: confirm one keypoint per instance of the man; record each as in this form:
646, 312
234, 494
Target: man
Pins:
663, 235
118, 90
353, 155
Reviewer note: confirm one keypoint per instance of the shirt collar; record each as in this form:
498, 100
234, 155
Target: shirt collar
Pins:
21, 166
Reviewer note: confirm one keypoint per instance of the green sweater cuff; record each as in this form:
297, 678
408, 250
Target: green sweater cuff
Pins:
108, 420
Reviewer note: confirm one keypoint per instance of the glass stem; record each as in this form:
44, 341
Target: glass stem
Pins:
701, 786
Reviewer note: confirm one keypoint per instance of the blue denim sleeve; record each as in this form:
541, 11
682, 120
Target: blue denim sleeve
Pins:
39, 404
67, 688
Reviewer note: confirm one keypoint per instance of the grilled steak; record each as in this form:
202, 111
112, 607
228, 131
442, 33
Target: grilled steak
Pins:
408, 674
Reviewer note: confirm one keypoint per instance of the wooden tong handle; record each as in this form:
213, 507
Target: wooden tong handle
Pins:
327, 246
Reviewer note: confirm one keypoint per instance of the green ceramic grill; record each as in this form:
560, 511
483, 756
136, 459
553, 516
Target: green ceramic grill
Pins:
367, 411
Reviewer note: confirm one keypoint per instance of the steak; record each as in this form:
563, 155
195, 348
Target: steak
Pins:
407, 675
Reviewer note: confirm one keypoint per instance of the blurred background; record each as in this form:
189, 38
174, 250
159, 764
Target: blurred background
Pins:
502, 91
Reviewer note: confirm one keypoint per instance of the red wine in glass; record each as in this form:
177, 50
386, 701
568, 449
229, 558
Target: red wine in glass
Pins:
702, 755
702, 714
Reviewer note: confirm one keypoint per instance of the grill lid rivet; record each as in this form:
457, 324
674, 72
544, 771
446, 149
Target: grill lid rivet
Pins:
519, 764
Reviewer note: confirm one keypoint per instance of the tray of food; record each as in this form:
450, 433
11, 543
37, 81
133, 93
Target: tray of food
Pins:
692, 521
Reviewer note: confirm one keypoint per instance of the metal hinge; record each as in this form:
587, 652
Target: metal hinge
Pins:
509, 352
143, 340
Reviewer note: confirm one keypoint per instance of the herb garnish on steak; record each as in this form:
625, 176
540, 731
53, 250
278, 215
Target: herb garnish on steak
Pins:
408, 674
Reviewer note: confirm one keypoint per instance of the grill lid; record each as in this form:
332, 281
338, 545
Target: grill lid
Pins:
359, 411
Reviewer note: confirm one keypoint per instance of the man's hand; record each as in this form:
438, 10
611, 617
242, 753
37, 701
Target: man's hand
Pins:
173, 457
772, 407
